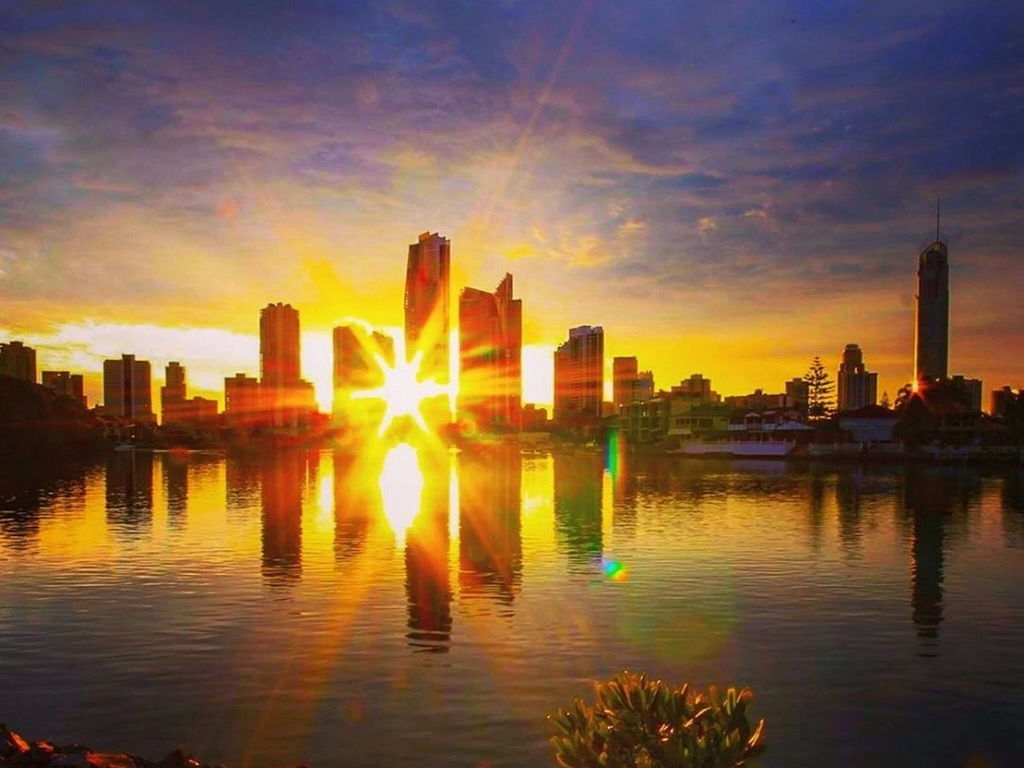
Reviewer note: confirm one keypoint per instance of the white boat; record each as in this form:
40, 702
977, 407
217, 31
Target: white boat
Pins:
744, 448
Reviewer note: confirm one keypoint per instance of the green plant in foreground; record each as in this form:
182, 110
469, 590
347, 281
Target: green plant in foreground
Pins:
640, 723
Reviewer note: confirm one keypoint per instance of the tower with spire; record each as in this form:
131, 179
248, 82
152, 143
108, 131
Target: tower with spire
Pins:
931, 326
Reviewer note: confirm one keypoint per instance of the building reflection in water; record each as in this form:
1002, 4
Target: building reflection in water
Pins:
490, 535
354, 505
427, 580
26, 491
175, 471
849, 492
932, 496
1013, 508
242, 486
129, 492
816, 506
281, 492
578, 496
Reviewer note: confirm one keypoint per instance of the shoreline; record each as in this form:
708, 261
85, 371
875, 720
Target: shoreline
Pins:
15, 750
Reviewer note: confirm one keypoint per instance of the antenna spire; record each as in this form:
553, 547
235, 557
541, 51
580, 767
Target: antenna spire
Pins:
938, 214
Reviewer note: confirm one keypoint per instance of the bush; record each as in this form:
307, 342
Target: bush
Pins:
640, 723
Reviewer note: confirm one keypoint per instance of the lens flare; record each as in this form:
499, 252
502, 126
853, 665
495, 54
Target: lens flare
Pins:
401, 487
614, 570
402, 391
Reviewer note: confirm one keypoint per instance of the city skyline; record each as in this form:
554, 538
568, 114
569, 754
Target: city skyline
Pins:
729, 215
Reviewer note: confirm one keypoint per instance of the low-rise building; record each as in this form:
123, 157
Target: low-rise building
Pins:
870, 424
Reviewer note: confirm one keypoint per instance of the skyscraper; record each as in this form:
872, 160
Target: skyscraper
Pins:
173, 394
931, 329
127, 389
356, 369
18, 361
579, 375
285, 395
490, 355
279, 345
624, 375
427, 299
856, 386
66, 384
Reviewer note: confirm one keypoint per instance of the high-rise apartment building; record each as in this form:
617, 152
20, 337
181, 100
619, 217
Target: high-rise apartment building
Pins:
970, 390
243, 402
127, 389
18, 361
629, 384
356, 369
279, 345
579, 375
624, 374
66, 384
490, 356
798, 394
173, 394
931, 327
287, 398
427, 300
856, 387
1004, 401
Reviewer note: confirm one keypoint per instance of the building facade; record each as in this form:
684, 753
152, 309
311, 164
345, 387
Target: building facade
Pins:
127, 389
356, 369
286, 397
856, 387
243, 401
931, 326
758, 400
490, 357
66, 384
579, 376
18, 361
624, 375
970, 390
173, 394
427, 305
1003, 401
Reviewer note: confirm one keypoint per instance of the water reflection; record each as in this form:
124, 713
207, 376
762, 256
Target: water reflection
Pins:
354, 504
129, 493
242, 486
849, 492
1013, 509
281, 494
490, 536
577, 503
175, 472
927, 499
427, 579
27, 490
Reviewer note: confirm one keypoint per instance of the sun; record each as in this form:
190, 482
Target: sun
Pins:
402, 391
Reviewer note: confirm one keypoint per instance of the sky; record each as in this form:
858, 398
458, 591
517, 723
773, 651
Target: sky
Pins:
727, 187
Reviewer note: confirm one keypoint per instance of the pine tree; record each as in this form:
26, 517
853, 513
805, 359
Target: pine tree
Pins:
819, 390
886, 403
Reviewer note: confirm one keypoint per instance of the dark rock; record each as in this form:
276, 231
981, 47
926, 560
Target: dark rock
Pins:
11, 744
179, 758
71, 760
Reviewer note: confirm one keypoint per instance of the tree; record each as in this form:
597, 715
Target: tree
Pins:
903, 397
819, 390
640, 723
886, 403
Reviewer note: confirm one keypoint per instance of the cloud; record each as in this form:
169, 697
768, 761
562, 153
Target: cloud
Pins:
159, 162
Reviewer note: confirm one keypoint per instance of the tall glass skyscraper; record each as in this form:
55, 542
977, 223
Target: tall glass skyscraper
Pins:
427, 299
931, 329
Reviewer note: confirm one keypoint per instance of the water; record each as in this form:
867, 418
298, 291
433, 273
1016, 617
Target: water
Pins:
427, 609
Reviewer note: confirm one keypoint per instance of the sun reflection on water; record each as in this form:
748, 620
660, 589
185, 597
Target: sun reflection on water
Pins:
401, 488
